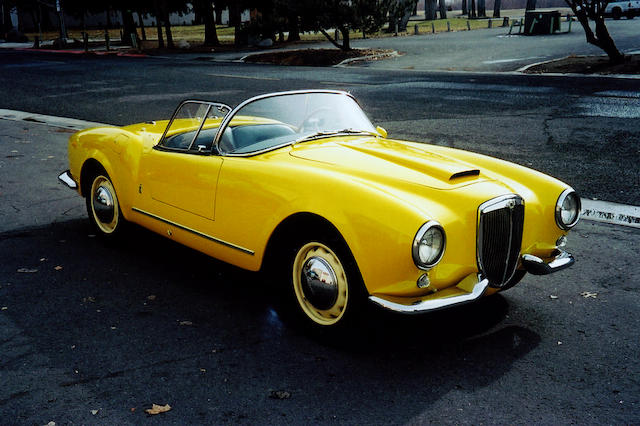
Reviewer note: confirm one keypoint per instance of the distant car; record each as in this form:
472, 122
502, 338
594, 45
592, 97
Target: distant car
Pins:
619, 9
302, 186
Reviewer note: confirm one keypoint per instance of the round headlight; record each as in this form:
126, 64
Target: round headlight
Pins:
428, 245
568, 209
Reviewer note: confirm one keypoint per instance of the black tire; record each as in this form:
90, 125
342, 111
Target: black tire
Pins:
103, 207
333, 302
616, 13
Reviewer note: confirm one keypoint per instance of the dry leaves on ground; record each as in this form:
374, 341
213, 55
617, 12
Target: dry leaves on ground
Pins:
157, 409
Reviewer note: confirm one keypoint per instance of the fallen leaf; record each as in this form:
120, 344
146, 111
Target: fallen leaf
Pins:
27, 270
553, 296
559, 343
186, 323
43, 259
51, 424
58, 268
157, 409
4, 308
280, 394
94, 412
89, 299
151, 297
133, 409
588, 294
203, 370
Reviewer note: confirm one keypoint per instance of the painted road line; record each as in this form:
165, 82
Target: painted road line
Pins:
246, 77
49, 120
604, 211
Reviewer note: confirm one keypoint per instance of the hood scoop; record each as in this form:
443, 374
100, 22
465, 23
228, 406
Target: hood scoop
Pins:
466, 173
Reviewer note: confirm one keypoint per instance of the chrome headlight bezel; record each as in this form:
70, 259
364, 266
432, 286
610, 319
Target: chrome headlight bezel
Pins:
567, 194
430, 226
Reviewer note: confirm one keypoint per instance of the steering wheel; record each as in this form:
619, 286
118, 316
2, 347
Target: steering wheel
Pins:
313, 120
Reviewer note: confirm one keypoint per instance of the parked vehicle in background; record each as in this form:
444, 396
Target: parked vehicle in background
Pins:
618, 9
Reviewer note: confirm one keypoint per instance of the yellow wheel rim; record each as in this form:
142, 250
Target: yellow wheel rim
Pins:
320, 284
104, 205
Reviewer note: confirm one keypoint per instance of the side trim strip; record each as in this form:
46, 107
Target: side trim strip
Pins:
193, 231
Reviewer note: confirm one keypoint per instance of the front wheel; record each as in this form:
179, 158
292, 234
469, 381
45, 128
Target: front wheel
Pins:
103, 207
327, 286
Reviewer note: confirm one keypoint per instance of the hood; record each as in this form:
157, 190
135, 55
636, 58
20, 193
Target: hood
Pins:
391, 160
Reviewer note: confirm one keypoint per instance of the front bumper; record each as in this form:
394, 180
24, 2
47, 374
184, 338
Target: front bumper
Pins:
67, 179
469, 289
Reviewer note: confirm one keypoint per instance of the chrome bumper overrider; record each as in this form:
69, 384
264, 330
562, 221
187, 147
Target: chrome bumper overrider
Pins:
68, 180
435, 301
536, 266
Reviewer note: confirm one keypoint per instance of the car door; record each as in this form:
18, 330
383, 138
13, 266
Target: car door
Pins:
178, 177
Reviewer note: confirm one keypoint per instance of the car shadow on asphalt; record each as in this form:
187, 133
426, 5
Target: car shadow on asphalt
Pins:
148, 275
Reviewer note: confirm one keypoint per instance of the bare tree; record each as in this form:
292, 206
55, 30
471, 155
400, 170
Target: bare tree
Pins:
586, 10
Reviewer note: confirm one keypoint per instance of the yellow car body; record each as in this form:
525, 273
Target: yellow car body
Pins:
375, 192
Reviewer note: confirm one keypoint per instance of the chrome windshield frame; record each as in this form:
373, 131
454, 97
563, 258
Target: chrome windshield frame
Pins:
229, 117
209, 104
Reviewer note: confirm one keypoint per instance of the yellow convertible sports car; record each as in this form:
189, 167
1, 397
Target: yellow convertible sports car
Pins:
302, 185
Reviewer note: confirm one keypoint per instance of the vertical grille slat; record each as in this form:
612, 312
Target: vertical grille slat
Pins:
500, 223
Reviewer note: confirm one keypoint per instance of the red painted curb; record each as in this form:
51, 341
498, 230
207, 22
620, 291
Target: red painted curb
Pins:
81, 52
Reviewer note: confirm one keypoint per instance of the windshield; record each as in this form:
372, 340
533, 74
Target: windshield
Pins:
282, 119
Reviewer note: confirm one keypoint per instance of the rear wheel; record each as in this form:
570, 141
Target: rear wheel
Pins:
103, 207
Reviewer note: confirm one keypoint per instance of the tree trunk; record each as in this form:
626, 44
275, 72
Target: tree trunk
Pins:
167, 31
464, 7
235, 20
346, 43
294, 28
443, 9
482, 9
210, 34
601, 38
496, 8
158, 14
141, 25
531, 4
7, 25
345, 38
128, 27
472, 9
218, 13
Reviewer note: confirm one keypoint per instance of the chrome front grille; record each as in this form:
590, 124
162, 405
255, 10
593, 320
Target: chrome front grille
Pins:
500, 223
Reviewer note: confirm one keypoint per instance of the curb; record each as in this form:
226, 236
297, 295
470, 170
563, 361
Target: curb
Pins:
523, 70
48, 120
613, 213
349, 61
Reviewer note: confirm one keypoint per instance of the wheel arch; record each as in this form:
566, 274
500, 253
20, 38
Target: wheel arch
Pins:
90, 168
288, 231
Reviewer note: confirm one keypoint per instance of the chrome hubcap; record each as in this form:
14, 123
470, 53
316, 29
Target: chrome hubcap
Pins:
319, 283
103, 204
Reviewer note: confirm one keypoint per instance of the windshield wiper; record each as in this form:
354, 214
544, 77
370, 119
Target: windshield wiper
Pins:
324, 134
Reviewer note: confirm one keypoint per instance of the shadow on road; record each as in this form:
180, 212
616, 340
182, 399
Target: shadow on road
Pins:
148, 321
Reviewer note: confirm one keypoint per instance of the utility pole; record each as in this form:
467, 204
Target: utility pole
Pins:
63, 29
